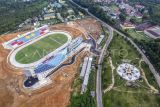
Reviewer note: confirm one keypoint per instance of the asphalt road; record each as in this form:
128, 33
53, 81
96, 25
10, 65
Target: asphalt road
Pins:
151, 67
98, 81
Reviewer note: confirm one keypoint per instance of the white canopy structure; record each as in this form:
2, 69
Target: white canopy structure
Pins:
128, 72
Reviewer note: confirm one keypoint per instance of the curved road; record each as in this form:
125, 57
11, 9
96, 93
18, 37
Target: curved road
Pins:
151, 67
94, 45
98, 81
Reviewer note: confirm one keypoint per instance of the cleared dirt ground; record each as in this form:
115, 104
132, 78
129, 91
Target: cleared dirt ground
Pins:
57, 94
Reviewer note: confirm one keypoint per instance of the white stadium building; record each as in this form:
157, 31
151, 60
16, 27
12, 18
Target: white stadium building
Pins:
37, 73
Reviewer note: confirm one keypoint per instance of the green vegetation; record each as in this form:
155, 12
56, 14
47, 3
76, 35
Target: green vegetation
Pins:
135, 20
67, 12
105, 33
124, 99
137, 35
96, 10
40, 48
14, 13
85, 99
106, 73
123, 16
152, 50
113, 7
153, 7
149, 75
51, 21
121, 50
121, 94
151, 47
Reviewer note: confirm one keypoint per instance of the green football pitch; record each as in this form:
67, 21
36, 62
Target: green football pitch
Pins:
41, 48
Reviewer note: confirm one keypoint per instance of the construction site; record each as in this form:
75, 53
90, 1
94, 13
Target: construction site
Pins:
11, 79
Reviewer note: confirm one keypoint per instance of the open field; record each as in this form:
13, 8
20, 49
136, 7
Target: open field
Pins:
106, 73
113, 7
141, 94
41, 48
138, 35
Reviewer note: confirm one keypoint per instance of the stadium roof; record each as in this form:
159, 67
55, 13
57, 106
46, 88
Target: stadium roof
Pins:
85, 82
153, 32
84, 66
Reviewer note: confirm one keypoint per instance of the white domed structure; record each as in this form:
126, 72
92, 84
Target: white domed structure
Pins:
128, 72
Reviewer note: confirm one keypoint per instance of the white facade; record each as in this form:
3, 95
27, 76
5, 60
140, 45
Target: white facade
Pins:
100, 39
84, 66
86, 77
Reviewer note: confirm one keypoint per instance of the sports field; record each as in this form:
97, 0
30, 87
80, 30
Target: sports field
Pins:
41, 48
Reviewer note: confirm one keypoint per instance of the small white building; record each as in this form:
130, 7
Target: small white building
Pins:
100, 39
127, 25
49, 16
84, 66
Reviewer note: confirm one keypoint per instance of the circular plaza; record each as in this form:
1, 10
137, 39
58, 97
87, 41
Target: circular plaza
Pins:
128, 72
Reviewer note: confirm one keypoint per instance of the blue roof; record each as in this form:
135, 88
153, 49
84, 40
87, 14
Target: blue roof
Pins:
30, 37
56, 60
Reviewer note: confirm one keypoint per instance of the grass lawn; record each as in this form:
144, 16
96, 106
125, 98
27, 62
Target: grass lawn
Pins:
119, 50
122, 99
138, 35
51, 21
106, 73
113, 7
122, 95
149, 75
105, 32
41, 48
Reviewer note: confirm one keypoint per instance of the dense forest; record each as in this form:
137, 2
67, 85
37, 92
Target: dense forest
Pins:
152, 50
14, 13
96, 10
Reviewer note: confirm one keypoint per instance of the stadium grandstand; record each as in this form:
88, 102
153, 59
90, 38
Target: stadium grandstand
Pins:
84, 66
47, 66
24, 38
61, 46
86, 69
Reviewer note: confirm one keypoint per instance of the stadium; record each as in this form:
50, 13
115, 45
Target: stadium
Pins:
40, 52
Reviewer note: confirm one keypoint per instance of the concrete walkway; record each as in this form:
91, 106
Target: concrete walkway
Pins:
113, 80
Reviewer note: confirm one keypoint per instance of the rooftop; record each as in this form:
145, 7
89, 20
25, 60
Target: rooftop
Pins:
154, 31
